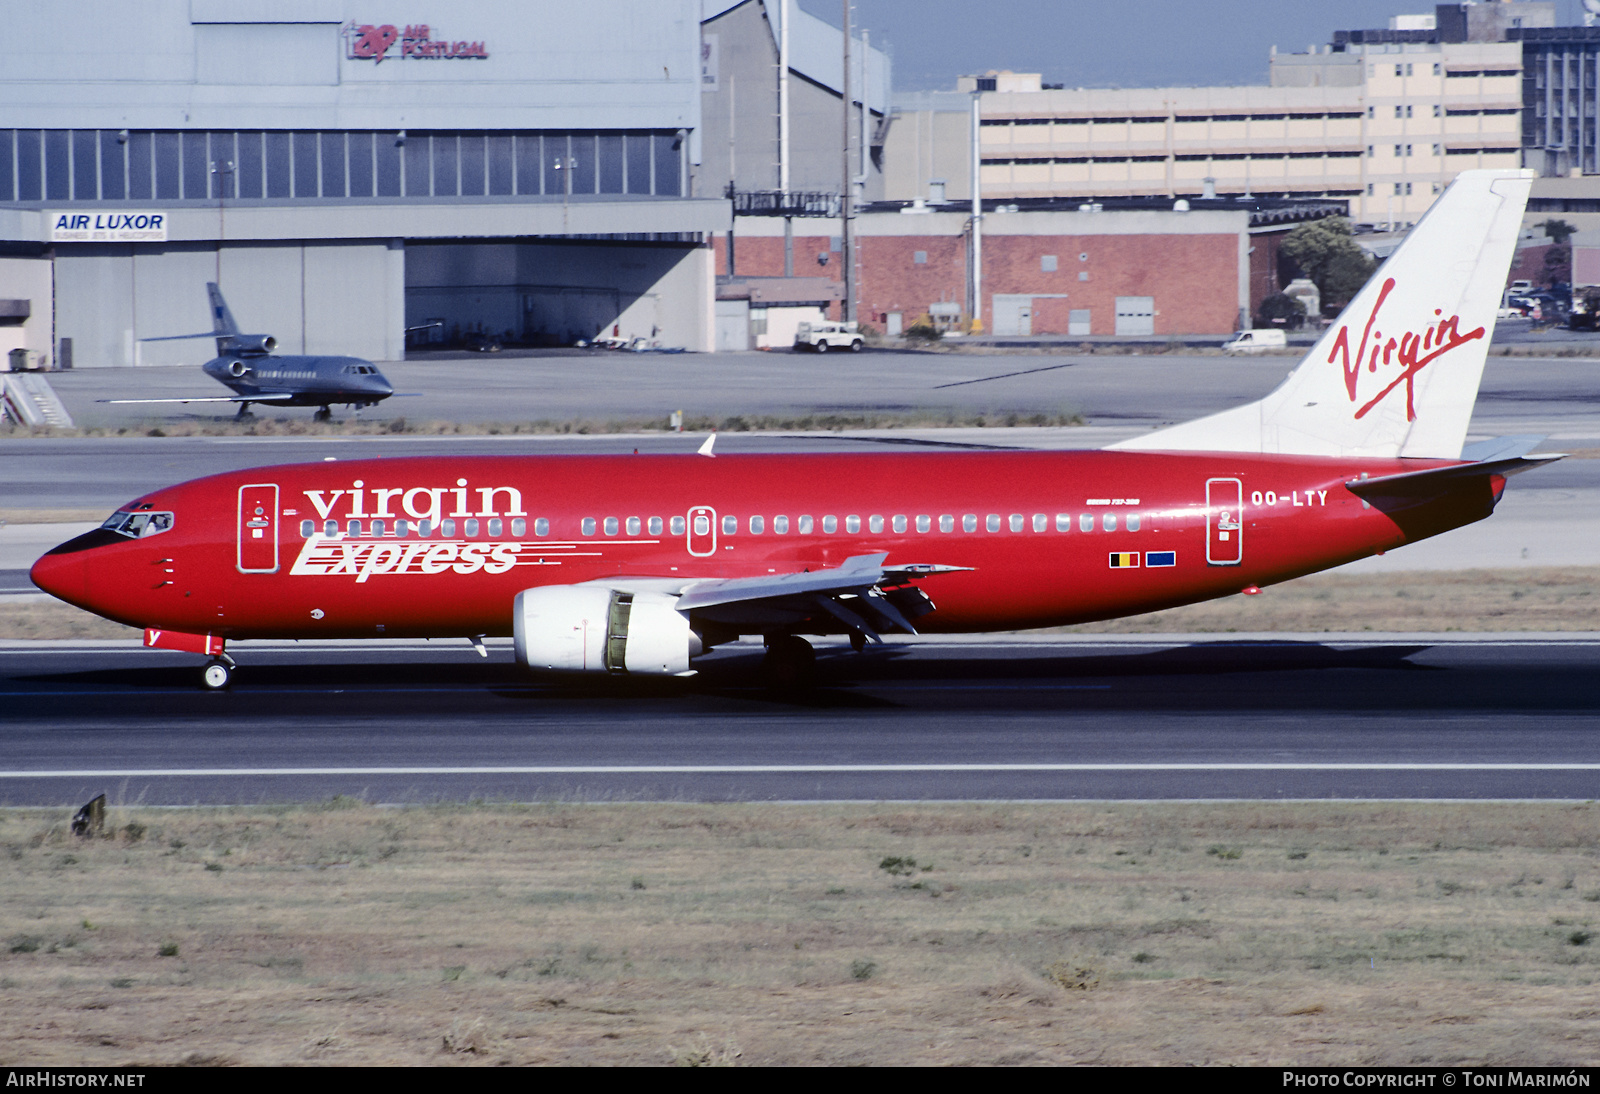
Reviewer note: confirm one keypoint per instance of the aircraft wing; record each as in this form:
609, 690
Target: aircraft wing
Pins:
862, 594
269, 397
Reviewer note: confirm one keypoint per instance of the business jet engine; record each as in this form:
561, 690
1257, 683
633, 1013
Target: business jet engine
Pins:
593, 629
251, 344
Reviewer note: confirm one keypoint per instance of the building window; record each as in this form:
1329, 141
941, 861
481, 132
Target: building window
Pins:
1438, 110
1398, 190
1436, 70
1399, 70
1399, 111
1399, 150
1369, 189
1370, 109
1438, 150
1408, 189
1047, 263
919, 257
1369, 151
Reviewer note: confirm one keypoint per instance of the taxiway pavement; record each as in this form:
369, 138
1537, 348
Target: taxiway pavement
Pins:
1050, 718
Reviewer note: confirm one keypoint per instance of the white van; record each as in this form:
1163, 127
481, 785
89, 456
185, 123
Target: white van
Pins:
1255, 341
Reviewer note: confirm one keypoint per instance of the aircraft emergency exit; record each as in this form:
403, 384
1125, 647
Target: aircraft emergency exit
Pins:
246, 363
637, 565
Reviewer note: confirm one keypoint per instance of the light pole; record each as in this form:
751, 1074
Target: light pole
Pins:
223, 170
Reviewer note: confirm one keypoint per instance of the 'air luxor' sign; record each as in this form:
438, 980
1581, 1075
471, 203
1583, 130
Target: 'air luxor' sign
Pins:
131, 227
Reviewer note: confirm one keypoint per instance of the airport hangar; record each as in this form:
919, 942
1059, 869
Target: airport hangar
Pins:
348, 171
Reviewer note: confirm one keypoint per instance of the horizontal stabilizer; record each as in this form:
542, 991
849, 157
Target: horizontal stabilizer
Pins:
1410, 482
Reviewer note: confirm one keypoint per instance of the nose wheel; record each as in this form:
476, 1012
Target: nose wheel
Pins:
218, 673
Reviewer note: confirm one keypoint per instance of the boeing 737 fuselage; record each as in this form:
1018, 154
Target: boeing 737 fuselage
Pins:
636, 565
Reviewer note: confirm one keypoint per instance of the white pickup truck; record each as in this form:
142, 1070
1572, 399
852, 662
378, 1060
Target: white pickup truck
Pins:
822, 337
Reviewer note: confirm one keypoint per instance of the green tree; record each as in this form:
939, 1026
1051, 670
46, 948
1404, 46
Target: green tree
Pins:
1327, 253
1558, 230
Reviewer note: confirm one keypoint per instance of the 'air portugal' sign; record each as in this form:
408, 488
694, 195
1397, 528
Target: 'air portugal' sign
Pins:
375, 42
1410, 353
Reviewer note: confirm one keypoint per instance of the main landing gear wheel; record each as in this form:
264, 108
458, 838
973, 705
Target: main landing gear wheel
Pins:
790, 664
323, 415
217, 675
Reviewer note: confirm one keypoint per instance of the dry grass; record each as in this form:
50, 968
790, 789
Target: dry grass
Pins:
702, 423
739, 934
1535, 599
1551, 599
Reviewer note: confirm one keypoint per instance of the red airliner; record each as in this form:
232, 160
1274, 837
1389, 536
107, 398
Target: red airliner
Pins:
638, 564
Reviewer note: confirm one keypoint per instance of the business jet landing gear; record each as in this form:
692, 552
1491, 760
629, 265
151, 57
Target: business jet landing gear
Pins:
323, 415
218, 673
244, 414
790, 663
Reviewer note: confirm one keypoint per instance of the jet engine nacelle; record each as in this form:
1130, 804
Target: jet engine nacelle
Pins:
593, 629
253, 343
237, 368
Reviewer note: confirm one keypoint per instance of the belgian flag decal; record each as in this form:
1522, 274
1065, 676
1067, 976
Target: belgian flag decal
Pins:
1122, 560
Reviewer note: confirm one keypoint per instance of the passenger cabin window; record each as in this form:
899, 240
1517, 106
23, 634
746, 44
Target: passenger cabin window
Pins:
330, 527
874, 524
1041, 523
780, 526
1063, 522
702, 525
425, 528
447, 528
471, 527
634, 526
611, 526
992, 522
969, 522
730, 525
679, 526
137, 525
541, 527
655, 526
308, 528
380, 528
947, 523
924, 522
757, 525
587, 526
852, 524
1109, 522
1086, 522
402, 528
899, 524
805, 526
1133, 522
495, 526
830, 525
519, 527
1016, 522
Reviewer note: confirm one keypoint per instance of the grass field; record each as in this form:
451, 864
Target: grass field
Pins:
1257, 933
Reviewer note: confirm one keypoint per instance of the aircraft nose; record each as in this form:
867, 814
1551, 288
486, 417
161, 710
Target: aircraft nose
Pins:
63, 574
381, 386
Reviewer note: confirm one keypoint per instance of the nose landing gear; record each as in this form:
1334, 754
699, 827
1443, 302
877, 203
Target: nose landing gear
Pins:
218, 673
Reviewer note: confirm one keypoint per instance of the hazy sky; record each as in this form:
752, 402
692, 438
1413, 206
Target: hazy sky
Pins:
1112, 43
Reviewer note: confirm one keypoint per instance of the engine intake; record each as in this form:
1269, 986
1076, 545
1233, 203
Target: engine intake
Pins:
593, 629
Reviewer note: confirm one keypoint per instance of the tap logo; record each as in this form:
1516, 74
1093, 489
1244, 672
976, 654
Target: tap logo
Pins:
1410, 353
372, 42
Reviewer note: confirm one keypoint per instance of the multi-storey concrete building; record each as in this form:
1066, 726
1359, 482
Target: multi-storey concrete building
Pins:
1382, 118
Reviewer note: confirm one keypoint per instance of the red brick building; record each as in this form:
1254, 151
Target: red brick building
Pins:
1135, 272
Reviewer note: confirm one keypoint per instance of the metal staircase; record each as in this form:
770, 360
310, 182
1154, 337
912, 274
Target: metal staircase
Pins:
28, 399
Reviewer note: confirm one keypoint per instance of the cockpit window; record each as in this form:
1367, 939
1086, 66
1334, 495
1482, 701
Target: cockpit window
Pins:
138, 525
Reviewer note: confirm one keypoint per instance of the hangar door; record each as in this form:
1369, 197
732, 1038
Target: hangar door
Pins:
1136, 315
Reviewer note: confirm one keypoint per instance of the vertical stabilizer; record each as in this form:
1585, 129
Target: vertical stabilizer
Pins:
1397, 373
221, 318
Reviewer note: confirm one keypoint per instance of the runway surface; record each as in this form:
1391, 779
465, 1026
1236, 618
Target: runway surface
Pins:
1172, 717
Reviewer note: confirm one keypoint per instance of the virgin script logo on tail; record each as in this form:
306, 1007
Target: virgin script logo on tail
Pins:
1411, 353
